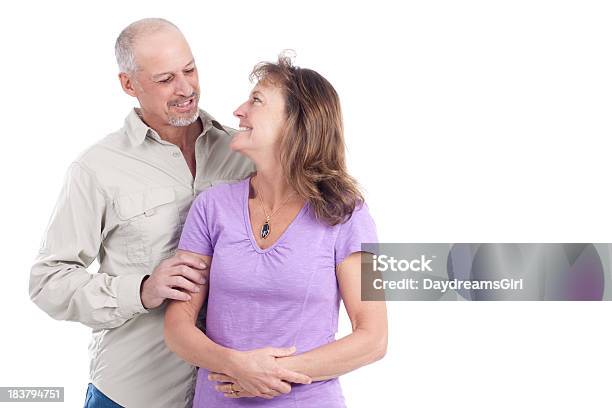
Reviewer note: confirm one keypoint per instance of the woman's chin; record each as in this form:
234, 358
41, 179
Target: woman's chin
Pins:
239, 147
235, 145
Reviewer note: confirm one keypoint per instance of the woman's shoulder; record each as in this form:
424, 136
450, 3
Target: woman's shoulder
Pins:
360, 213
224, 187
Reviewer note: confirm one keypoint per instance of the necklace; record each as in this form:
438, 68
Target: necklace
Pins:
266, 228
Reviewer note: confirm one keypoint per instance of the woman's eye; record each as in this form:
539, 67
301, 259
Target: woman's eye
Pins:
255, 99
189, 71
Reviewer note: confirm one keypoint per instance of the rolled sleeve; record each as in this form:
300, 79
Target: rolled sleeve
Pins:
129, 302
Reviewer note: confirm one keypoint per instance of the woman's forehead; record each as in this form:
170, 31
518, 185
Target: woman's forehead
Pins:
267, 87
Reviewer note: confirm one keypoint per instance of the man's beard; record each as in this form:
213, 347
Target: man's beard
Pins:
180, 122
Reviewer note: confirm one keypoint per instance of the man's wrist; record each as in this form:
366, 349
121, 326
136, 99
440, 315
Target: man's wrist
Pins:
129, 301
142, 283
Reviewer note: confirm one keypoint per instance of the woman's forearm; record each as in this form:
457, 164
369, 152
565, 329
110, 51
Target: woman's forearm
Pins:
339, 357
193, 346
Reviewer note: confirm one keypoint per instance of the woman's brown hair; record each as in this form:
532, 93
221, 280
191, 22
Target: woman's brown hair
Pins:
312, 147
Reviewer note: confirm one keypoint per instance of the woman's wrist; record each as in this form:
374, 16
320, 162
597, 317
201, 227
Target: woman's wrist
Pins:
234, 360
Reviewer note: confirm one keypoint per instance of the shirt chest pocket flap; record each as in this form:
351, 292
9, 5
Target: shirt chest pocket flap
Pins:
145, 203
150, 222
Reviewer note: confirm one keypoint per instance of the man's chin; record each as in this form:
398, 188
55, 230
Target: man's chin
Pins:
183, 120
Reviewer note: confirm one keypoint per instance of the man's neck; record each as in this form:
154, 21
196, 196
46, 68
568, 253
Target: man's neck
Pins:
181, 136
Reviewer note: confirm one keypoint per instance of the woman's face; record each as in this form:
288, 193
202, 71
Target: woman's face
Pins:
262, 118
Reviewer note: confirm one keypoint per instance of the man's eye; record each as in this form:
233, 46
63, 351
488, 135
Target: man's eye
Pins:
190, 70
256, 99
165, 80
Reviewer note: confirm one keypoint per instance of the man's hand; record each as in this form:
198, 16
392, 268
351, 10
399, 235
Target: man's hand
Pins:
172, 279
258, 374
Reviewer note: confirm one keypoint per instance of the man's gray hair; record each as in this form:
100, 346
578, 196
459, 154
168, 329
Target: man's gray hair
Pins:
124, 46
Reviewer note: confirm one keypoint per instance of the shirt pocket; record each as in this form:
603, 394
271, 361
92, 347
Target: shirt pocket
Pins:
150, 225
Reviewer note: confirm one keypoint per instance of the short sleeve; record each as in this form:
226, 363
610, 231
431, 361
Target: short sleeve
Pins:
196, 235
358, 229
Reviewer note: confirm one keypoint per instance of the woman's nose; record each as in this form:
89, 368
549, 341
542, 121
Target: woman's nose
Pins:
240, 112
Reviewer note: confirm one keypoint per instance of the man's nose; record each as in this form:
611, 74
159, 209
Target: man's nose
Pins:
183, 87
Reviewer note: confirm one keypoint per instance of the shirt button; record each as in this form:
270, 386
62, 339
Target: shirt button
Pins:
176, 154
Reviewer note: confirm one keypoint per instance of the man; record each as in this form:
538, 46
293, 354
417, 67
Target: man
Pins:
124, 202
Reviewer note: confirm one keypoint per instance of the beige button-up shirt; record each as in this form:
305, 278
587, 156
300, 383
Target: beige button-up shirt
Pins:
124, 202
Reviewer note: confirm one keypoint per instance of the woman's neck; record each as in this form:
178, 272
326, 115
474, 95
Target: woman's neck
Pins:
271, 184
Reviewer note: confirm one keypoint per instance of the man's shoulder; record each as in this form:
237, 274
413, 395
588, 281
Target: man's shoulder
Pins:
223, 162
222, 194
102, 151
220, 134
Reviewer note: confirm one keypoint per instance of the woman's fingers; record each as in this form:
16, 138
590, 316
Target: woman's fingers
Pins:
221, 378
228, 388
231, 388
241, 394
282, 387
281, 352
294, 377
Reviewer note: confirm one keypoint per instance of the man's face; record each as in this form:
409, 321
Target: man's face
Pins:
166, 82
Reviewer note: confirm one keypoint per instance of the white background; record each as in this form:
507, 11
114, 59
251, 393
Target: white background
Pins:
466, 121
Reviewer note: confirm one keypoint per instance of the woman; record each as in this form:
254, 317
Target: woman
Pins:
283, 248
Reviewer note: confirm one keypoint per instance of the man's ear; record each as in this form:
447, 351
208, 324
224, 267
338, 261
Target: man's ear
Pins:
127, 84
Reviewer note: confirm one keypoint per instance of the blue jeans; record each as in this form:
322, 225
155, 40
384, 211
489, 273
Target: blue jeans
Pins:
96, 399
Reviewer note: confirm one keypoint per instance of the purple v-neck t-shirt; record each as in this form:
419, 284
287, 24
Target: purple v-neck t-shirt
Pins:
280, 296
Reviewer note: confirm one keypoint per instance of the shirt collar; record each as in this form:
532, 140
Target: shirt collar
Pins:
137, 131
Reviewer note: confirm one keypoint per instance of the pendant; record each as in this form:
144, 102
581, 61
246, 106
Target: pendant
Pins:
265, 230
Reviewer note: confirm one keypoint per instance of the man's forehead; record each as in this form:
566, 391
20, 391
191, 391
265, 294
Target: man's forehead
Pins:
162, 52
171, 68
160, 67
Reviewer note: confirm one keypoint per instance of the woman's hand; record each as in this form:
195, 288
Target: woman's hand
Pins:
257, 373
229, 387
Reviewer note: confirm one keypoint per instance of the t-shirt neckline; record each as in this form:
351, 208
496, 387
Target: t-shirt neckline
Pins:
249, 228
